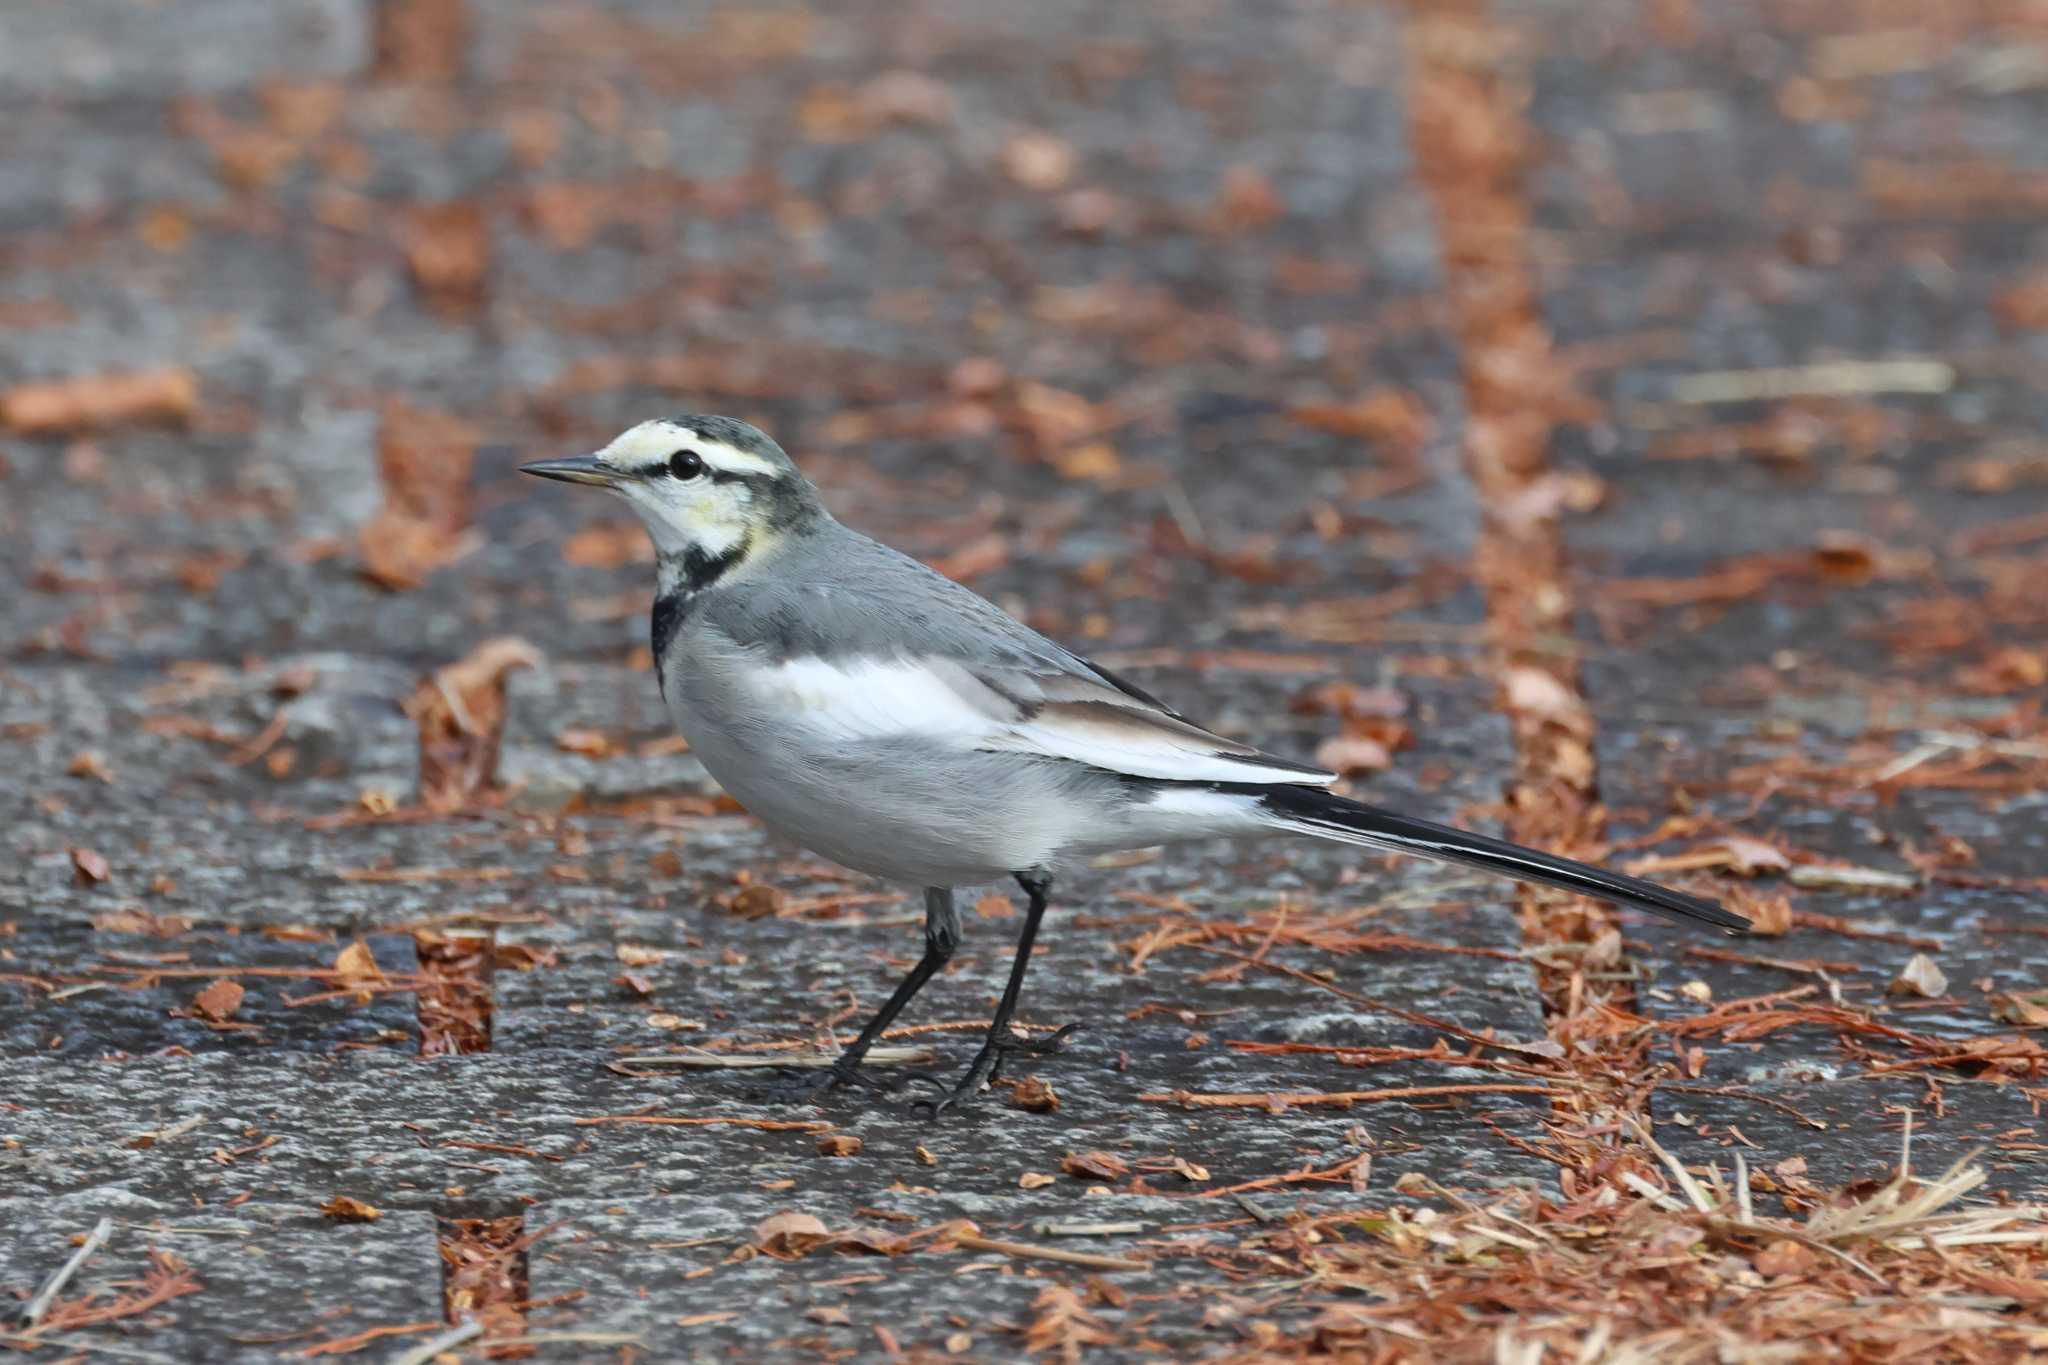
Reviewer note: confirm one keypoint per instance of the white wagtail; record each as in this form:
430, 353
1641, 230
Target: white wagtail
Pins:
885, 716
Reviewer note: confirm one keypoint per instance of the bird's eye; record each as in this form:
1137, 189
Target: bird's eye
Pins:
685, 464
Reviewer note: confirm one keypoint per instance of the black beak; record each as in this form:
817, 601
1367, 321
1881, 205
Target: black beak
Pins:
574, 469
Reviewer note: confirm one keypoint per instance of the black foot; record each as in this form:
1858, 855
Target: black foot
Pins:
986, 1067
806, 1086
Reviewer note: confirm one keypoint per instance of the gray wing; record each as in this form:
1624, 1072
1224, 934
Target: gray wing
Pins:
858, 641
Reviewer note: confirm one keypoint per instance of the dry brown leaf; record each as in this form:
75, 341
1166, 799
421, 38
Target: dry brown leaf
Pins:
88, 867
1394, 418
1349, 700
608, 545
1034, 1180
1063, 1326
90, 763
589, 743
1035, 1094
356, 965
448, 247
1039, 161
1353, 755
985, 554
634, 955
758, 901
1537, 693
790, 1235
1844, 557
839, 1144
460, 712
423, 460
344, 1209
1246, 200
2028, 1009
218, 1000
1769, 916
97, 402
1095, 1165
1919, 977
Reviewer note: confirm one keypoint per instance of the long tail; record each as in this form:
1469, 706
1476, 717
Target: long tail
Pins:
1311, 810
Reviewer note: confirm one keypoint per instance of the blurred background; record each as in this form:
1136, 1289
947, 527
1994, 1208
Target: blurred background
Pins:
1685, 355
1157, 321
1616, 424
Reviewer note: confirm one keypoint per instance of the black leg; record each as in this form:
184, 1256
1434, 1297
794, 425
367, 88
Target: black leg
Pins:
998, 1043
941, 937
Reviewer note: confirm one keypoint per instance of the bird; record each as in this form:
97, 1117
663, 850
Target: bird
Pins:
878, 713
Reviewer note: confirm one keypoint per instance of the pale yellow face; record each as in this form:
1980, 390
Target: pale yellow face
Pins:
710, 504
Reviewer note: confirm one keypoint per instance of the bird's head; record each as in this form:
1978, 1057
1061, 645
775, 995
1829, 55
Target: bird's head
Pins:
712, 490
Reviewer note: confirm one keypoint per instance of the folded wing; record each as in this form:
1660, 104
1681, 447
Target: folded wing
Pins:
1089, 718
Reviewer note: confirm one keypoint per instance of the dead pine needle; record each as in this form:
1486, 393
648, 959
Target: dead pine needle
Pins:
1032, 1252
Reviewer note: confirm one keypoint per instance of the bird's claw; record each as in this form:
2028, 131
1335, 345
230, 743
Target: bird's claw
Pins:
986, 1067
806, 1086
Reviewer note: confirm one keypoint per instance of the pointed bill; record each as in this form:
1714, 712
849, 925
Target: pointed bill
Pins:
573, 469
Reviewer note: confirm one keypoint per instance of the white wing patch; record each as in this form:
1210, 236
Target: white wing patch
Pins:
877, 699
1144, 743
939, 699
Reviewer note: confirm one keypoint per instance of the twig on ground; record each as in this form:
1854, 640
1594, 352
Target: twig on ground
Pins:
1030, 1251
40, 1304
433, 1346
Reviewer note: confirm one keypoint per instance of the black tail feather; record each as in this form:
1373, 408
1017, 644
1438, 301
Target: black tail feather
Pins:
1315, 811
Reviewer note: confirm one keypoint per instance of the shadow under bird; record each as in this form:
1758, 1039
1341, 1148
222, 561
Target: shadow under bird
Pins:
894, 721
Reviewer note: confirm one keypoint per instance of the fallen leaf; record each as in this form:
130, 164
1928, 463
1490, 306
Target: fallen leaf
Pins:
758, 901
1246, 200
219, 1000
787, 1236
1769, 916
1392, 417
1535, 692
831, 1315
423, 461
1034, 1180
1921, 977
839, 1144
88, 867
1036, 1095
460, 713
2028, 1009
2024, 304
982, 555
448, 247
343, 1209
1753, 857
608, 545
1783, 1257
90, 763
1095, 460
1844, 556
633, 955
1063, 1326
1038, 161
1353, 755
96, 402
589, 743
1350, 700
905, 96
356, 965
1095, 1165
